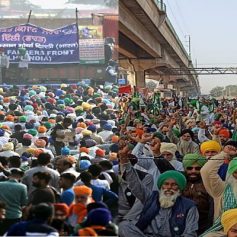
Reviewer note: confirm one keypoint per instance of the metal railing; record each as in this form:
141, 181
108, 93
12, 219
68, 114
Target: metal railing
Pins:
161, 5
177, 37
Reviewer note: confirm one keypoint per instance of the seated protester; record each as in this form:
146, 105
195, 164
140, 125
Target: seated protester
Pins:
8, 150
229, 223
223, 192
106, 133
14, 162
129, 207
66, 182
26, 144
99, 193
222, 135
165, 213
78, 211
41, 143
184, 141
152, 166
186, 144
38, 225
3, 136
61, 211
99, 156
18, 134
42, 193
167, 151
65, 165
96, 223
210, 148
196, 191
107, 168
4, 170
95, 171
42, 164
94, 135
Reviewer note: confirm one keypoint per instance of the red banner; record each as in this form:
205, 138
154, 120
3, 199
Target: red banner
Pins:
125, 89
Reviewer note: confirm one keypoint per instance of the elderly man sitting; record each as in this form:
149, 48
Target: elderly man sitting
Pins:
165, 213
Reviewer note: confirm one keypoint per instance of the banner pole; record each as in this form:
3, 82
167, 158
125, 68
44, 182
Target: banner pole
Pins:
78, 38
28, 21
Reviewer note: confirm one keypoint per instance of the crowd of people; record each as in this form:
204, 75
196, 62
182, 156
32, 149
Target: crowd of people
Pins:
58, 160
178, 167
77, 160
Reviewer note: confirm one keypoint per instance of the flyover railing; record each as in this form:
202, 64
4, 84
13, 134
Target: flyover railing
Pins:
161, 5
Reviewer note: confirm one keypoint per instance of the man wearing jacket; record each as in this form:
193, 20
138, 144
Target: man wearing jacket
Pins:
223, 192
165, 213
196, 191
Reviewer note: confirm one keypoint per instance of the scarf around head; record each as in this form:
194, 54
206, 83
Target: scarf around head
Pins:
79, 210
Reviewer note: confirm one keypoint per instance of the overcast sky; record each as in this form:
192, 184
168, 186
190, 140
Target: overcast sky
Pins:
61, 4
212, 27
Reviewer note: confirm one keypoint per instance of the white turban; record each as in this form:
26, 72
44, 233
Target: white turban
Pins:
168, 147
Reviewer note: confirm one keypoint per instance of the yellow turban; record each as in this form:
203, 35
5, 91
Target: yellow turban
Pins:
210, 146
228, 219
86, 132
86, 106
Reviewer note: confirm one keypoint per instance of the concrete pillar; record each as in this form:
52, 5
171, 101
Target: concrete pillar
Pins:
177, 89
140, 79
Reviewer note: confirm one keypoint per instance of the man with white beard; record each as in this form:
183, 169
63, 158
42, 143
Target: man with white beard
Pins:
165, 214
185, 144
224, 193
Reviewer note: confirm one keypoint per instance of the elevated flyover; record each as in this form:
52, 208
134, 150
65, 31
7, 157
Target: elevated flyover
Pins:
149, 46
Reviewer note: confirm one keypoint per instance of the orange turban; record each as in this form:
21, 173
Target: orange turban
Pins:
4, 126
84, 149
6, 99
61, 207
42, 129
224, 132
100, 152
10, 118
81, 125
115, 139
139, 131
82, 190
52, 121
37, 152
71, 159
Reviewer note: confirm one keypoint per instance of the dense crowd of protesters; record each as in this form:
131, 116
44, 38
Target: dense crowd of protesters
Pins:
178, 167
58, 160
83, 161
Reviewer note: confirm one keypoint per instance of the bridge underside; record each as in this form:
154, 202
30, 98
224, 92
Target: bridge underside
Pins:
146, 44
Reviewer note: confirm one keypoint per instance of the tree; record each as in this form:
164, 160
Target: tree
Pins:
151, 85
217, 91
